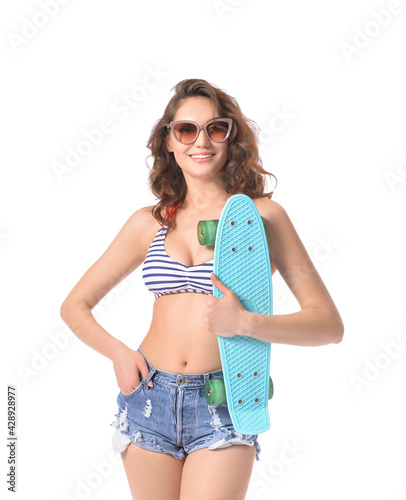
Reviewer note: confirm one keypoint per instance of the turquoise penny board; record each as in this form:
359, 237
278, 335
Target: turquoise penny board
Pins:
242, 263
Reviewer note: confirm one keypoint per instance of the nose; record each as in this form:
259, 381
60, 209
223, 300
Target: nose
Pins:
202, 139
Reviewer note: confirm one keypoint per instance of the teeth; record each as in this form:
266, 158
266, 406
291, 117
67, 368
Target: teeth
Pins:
201, 156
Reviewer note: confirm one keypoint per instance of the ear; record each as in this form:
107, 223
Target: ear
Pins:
168, 144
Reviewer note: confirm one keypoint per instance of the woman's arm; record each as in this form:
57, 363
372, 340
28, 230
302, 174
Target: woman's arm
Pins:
318, 322
126, 252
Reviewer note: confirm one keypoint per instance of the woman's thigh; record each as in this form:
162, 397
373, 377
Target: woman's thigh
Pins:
222, 474
152, 474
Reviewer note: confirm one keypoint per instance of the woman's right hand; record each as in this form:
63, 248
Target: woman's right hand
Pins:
129, 366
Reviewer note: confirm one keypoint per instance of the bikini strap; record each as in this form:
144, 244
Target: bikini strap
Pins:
171, 211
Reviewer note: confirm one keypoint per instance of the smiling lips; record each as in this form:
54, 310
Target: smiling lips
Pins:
202, 156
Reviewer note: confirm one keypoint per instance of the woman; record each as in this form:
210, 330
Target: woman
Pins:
173, 445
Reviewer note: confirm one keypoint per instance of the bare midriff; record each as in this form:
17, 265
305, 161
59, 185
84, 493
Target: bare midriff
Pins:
177, 341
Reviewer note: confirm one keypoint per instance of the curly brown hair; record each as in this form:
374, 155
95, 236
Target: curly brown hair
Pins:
243, 171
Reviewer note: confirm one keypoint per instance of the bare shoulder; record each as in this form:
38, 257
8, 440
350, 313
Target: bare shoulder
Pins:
281, 230
276, 217
276, 220
142, 225
135, 236
269, 209
124, 254
285, 246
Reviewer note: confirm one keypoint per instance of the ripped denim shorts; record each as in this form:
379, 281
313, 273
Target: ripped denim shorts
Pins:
173, 416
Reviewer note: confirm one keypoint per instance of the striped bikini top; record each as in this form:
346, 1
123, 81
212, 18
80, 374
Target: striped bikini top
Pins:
162, 275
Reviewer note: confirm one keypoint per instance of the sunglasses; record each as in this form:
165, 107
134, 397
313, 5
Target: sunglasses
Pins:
186, 132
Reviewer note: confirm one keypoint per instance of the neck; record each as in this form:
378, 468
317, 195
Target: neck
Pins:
202, 195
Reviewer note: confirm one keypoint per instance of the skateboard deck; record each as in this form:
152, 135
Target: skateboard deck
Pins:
242, 263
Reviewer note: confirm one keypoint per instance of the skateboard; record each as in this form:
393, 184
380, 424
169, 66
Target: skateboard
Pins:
242, 263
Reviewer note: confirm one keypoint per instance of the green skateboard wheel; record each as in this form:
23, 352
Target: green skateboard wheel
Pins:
270, 388
206, 231
215, 391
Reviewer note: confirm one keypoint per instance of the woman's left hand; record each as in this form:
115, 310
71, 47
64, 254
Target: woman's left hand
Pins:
225, 316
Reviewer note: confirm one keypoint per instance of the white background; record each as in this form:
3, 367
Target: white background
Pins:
340, 163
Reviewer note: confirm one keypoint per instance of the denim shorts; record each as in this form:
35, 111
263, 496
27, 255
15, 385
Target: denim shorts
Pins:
173, 416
